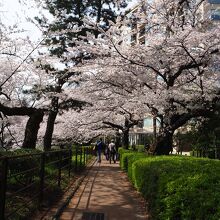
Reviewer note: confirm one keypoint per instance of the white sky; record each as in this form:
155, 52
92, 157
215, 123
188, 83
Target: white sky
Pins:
12, 12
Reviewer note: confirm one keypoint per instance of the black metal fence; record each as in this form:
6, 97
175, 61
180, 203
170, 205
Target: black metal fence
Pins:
32, 181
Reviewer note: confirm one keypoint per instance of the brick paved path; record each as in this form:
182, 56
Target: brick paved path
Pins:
107, 191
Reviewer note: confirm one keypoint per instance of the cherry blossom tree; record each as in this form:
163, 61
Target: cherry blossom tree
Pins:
175, 73
15, 76
174, 76
62, 34
111, 108
102, 115
118, 105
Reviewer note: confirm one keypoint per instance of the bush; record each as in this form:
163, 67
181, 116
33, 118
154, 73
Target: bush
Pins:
179, 187
122, 150
18, 152
22, 164
123, 160
130, 159
140, 148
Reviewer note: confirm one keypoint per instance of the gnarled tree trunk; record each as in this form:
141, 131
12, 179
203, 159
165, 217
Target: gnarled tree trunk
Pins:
171, 122
125, 138
33, 124
50, 124
49, 130
31, 130
164, 144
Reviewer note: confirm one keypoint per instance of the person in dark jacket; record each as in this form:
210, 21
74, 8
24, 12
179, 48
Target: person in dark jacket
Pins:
99, 147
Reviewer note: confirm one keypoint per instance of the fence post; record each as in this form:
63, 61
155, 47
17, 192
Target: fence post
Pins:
3, 187
59, 168
42, 174
76, 151
80, 159
84, 156
70, 161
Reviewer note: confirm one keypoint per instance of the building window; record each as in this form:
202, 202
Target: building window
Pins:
142, 31
133, 38
148, 123
142, 40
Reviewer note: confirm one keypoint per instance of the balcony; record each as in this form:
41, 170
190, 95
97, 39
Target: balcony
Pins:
215, 17
134, 38
215, 14
142, 30
214, 1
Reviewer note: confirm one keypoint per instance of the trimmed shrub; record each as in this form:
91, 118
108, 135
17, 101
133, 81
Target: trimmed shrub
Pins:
179, 187
140, 148
130, 158
127, 157
123, 162
122, 150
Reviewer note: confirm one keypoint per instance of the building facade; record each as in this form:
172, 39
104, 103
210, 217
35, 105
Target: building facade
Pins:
211, 10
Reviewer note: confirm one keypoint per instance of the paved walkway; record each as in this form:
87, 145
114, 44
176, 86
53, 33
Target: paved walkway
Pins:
105, 194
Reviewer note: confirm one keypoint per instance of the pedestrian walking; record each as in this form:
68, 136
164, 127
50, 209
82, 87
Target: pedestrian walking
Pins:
112, 151
99, 147
106, 152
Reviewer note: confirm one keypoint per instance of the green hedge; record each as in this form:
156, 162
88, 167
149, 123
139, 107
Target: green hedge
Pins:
130, 159
127, 157
140, 148
122, 150
179, 187
123, 160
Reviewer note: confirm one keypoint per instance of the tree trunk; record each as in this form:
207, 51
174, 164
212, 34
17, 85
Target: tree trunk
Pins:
33, 124
31, 129
118, 140
49, 130
50, 124
164, 144
126, 138
154, 128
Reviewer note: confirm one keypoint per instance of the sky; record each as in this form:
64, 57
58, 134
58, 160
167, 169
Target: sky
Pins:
16, 11
12, 12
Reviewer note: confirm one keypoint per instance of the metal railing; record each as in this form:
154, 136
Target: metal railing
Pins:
30, 181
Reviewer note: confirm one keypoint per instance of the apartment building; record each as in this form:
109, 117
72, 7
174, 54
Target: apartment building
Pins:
137, 28
211, 10
145, 131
